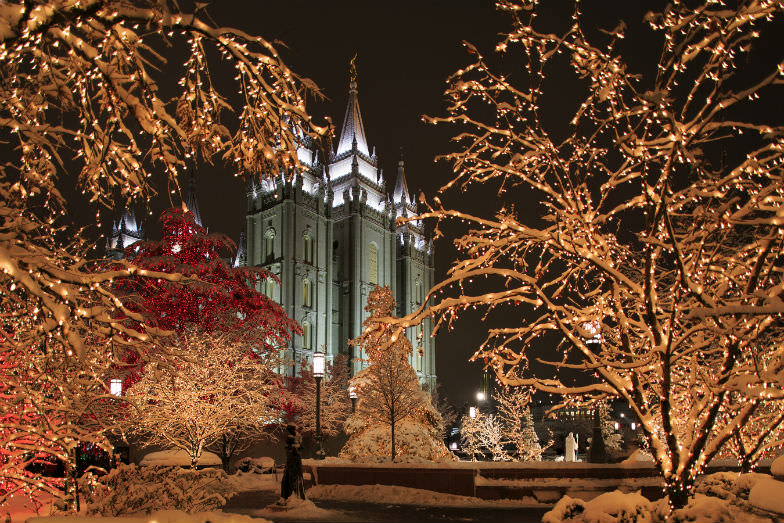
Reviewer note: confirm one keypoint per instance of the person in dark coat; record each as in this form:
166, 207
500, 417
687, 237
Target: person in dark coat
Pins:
292, 483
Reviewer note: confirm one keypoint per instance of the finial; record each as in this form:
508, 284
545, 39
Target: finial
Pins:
401, 161
352, 70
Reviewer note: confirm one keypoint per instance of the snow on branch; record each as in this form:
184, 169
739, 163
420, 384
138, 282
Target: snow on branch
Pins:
652, 262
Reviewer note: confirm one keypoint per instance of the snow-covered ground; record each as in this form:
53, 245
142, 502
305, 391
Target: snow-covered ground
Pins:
163, 516
394, 495
179, 458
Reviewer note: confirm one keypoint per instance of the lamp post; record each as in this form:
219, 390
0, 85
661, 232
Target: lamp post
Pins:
472, 443
352, 393
318, 374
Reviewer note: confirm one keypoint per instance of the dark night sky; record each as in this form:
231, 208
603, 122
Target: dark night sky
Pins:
406, 51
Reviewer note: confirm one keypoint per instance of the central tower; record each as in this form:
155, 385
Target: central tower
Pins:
330, 236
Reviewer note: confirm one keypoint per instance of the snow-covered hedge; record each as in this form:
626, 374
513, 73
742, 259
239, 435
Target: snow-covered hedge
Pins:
260, 465
414, 442
129, 489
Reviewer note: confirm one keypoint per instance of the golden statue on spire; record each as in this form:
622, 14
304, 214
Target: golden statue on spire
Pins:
352, 70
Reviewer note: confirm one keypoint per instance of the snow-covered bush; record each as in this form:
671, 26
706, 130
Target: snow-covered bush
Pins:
414, 443
729, 486
260, 465
610, 507
129, 489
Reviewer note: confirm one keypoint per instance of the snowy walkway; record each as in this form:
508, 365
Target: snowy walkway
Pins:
329, 506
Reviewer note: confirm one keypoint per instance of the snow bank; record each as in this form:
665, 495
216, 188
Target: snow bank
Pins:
768, 494
163, 516
179, 458
638, 456
707, 509
298, 510
395, 495
777, 467
610, 507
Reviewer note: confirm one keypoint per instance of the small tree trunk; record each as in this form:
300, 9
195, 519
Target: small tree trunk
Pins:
677, 489
392, 425
226, 452
71, 485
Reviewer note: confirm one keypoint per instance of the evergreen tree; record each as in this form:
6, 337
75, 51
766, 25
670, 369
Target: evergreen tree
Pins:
613, 440
514, 411
394, 416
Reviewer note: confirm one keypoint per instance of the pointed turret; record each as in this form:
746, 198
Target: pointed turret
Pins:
126, 231
241, 259
352, 137
401, 187
191, 201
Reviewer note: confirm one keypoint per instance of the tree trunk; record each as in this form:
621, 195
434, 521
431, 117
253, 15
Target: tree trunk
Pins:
225, 453
678, 490
71, 485
393, 441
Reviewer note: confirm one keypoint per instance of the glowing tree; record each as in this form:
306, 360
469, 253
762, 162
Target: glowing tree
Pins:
612, 439
493, 437
394, 416
216, 386
660, 225
215, 295
83, 109
470, 429
515, 414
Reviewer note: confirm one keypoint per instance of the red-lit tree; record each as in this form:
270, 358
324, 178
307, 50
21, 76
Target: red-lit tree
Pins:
214, 291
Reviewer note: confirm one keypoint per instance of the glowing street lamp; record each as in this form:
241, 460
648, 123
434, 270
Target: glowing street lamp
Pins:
352, 393
480, 396
115, 387
318, 374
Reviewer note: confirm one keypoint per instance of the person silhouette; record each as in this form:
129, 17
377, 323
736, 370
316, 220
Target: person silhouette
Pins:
293, 482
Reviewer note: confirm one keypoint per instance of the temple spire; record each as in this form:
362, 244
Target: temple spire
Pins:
352, 136
191, 201
401, 187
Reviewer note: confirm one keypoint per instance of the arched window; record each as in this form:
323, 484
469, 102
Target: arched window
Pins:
373, 264
307, 248
306, 344
418, 291
307, 294
269, 246
270, 288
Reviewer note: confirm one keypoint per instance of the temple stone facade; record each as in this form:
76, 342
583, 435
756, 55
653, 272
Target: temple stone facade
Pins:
330, 235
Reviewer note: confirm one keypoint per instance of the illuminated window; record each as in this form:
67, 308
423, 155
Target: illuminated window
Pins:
306, 293
307, 248
306, 335
269, 245
418, 291
373, 264
115, 387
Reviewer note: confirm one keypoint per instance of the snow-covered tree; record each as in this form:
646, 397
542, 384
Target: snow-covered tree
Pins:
660, 226
50, 404
470, 429
394, 416
515, 414
217, 385
492, 437
613, 440
335, 402
87, 106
